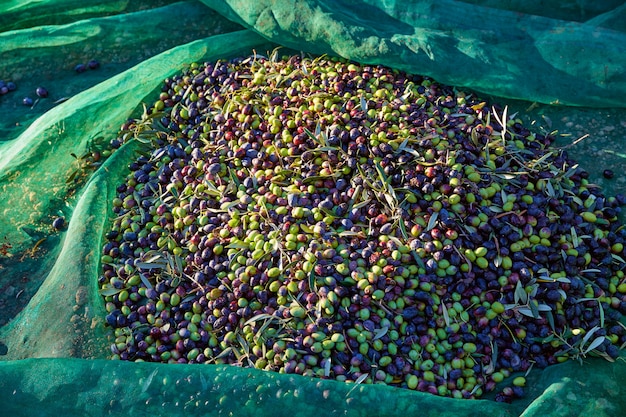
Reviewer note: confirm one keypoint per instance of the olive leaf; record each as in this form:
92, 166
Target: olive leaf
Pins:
520, 294
148, 381
446, 316
110, 291
327, 366
378, 333
432, 221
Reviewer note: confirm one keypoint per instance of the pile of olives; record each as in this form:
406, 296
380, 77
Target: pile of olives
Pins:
318, 217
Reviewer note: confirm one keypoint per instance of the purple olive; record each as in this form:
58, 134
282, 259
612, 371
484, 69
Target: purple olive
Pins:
58, 223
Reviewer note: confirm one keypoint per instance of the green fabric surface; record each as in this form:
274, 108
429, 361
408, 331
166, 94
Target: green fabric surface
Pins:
53, 340
497, 51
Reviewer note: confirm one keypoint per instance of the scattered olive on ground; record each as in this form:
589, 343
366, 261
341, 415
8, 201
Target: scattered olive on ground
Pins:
58, 223
41, 92
6, 87
92, 65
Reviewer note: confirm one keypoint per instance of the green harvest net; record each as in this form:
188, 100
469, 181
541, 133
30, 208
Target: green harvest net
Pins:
53, 340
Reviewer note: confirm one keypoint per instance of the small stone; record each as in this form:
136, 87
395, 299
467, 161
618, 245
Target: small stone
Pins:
608, 174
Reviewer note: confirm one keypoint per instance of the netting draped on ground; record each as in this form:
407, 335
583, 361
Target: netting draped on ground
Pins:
49, 301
